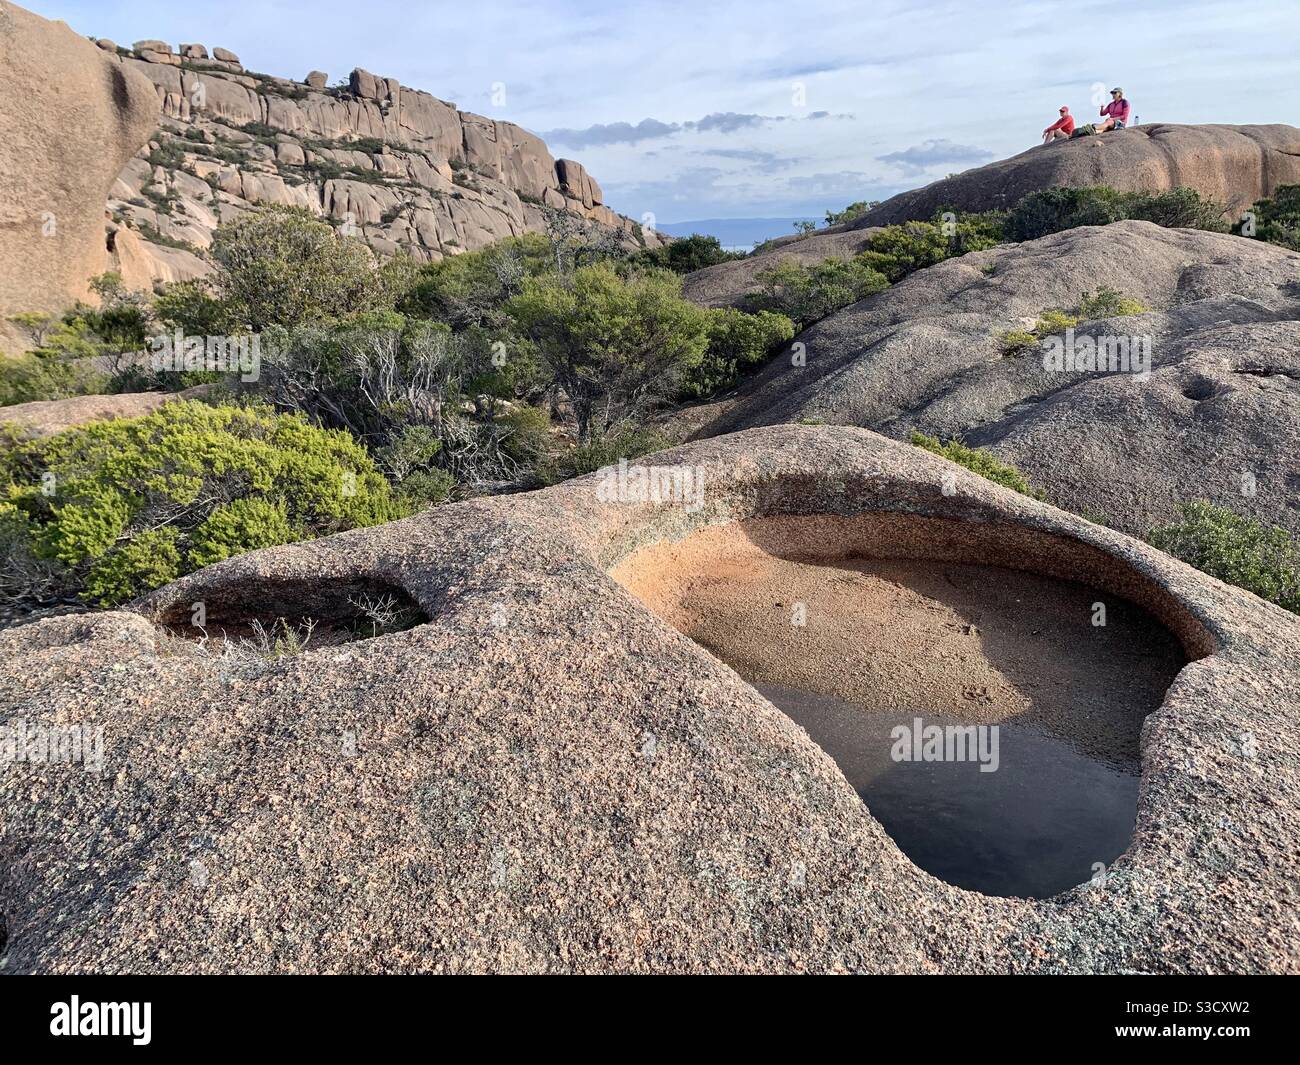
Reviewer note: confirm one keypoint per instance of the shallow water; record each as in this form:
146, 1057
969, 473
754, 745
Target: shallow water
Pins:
1033, 828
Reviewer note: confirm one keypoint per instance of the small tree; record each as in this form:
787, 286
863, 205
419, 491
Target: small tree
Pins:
615, 346
283, 266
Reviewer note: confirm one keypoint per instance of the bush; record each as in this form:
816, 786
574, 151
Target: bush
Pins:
472, 289
1178, 208
1015, 342
851, 213
615, 346
625, 442
1053, 210
282, 266
31, 377
1277, 220
687, 254
807, 294
121, 507
1108, 303
1236, 549
737, 341
978, 460
1052, 322
897, 251
409, 461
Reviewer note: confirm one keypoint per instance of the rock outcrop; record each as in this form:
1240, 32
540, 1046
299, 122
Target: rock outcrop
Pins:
546, 777
72, 115
1231, 165
1218, 418
400, 168
729, 284
49, 416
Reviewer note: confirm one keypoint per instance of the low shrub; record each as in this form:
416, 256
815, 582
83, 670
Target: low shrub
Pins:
851, 213
687, 254
1236, 549
978, 460
899, 250
625, 442
1053, 210
1107, 302
737, 342
806, 294
1015, 342
1276, 219
121, 507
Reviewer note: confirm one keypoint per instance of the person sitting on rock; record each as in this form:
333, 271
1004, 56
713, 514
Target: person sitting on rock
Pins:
1116, 113
1061, 128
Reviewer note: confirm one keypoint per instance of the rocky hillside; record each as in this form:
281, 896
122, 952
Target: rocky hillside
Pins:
406, 171
1218, 418
1231, 165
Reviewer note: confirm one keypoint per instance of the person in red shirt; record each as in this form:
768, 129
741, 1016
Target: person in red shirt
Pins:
1116, 113
1061, 128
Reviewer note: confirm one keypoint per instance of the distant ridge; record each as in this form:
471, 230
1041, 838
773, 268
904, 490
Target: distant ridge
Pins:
741, 233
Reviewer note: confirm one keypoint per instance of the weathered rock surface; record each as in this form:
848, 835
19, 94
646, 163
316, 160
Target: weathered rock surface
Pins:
406, 171
72, 115
50, 416
547, 777
1218, 418
1231, 165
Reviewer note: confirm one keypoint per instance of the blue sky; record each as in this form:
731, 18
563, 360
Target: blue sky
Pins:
719, 108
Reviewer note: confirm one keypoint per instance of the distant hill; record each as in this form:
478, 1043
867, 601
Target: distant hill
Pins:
742, 233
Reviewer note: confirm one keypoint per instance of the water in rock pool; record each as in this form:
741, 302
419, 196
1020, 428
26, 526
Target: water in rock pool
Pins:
1034, 827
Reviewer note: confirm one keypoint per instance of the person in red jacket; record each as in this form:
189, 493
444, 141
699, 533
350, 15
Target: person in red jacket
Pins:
1116, 113
1061, 128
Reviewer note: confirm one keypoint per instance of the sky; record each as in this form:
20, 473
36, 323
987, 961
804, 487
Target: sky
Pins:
730, 109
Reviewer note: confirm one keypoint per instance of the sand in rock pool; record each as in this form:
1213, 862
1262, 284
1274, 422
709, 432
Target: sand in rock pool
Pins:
852, 648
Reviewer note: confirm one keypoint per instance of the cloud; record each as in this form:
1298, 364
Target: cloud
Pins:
701, 191
613, 133
921, 157
721, 122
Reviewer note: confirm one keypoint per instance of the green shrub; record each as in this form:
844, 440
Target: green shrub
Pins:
1108, 303
687, 254
31, 377
472, 289
1052, 322
1277, 219
1015, 342
978, 460
737, 341
615, 346
897, 251
1053, 210
121, 507
1057, 209
1177, 208
806, 294
410, 462
627, 442
1236, 549
851, 213
283, 266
